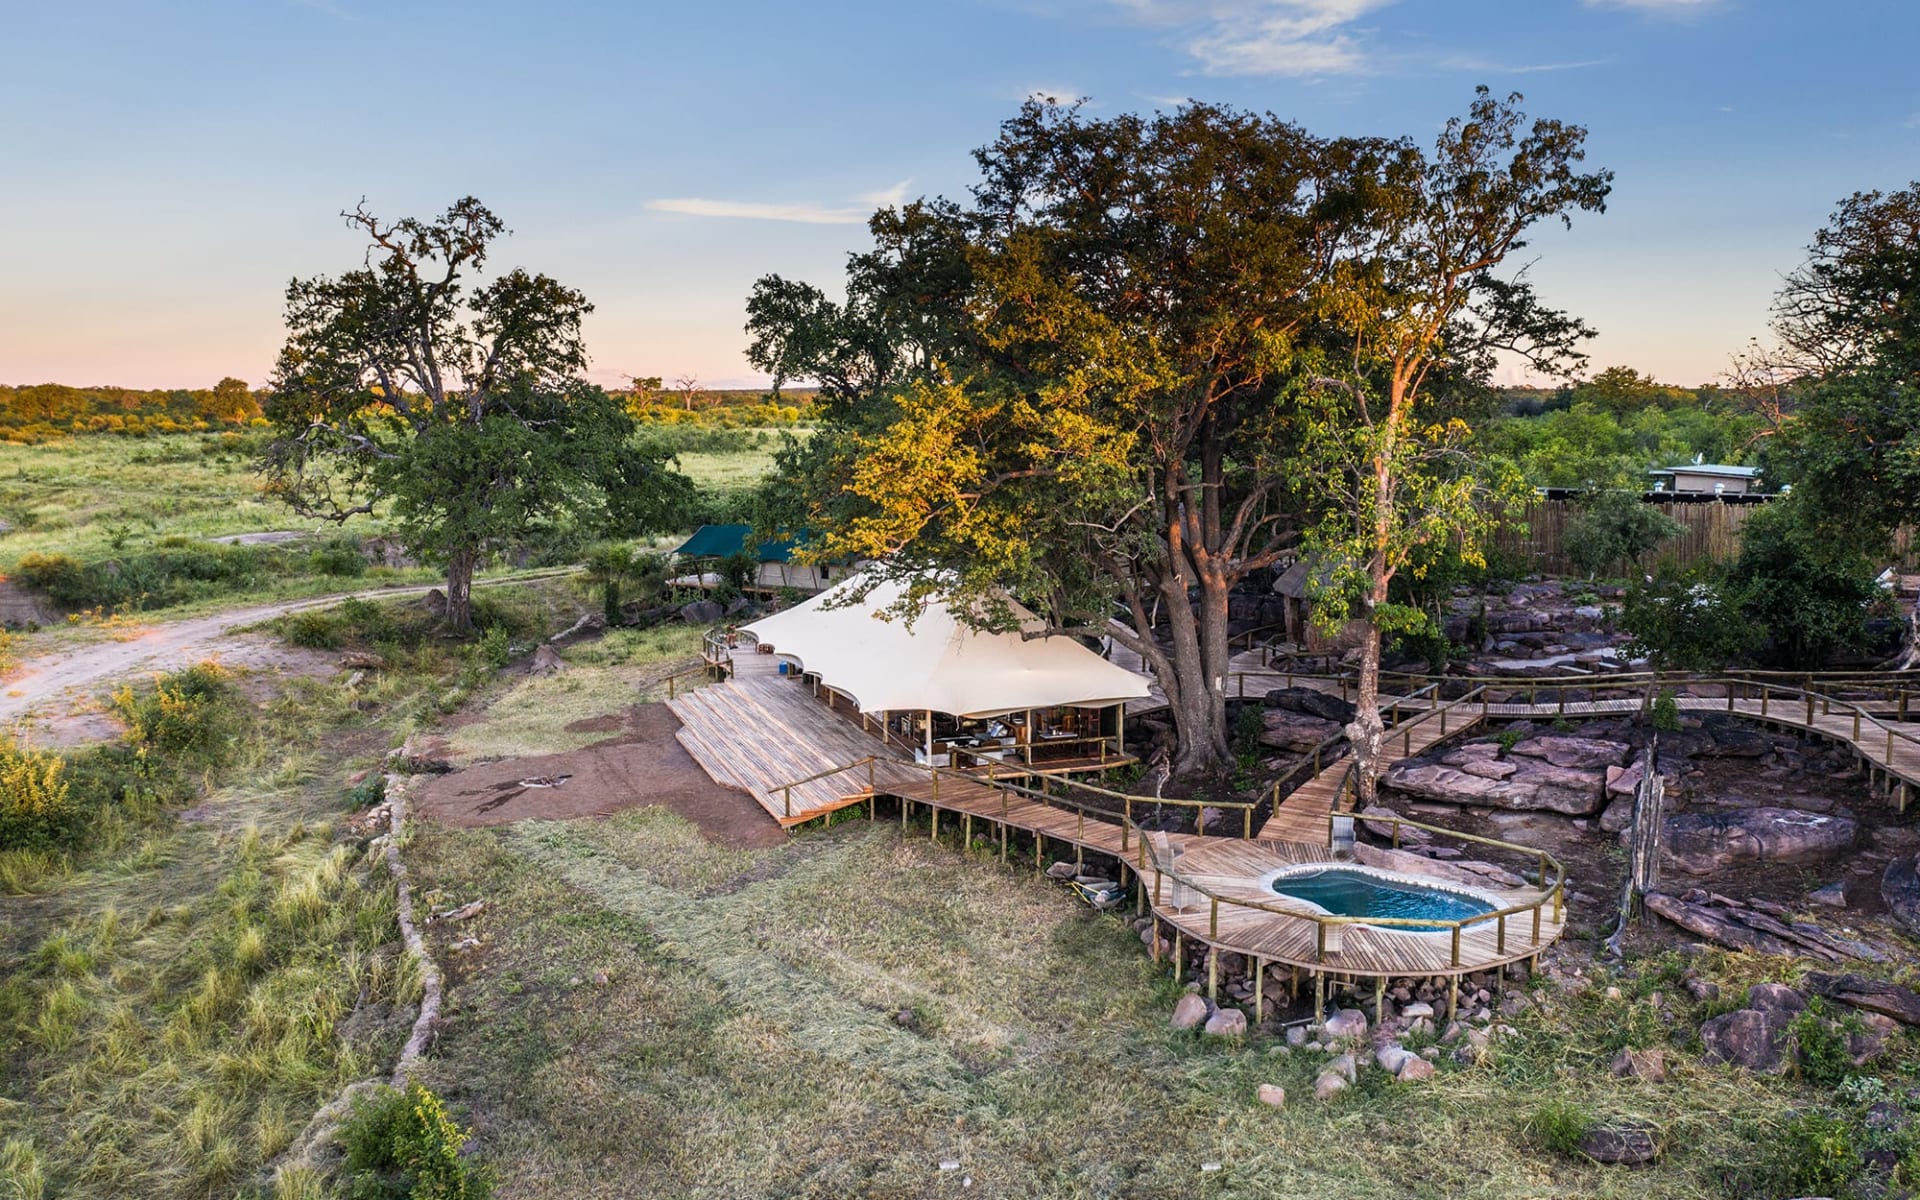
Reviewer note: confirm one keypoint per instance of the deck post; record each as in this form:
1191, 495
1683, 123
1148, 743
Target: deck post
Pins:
1003, 842
1500, 935
1536, 924
1559, 891
966, 834
1213, 974
1213, 918
1456, 944
1259, 987
1379, 999
905, 804
1154, 944
1320, 944
1319, 997
1039, 848
1178, 952
1453, 998
934, 834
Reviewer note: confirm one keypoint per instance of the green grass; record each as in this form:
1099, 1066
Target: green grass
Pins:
745, 1043
605, 676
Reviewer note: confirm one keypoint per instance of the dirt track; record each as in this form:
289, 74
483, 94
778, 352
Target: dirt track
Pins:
46, 690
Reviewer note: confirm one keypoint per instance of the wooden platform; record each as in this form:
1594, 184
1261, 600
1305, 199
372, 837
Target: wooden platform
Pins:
760, 731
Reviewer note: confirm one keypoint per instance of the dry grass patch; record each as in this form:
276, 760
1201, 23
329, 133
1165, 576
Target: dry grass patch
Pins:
746, 1042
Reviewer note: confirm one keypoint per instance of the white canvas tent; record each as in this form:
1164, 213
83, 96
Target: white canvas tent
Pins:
939, 665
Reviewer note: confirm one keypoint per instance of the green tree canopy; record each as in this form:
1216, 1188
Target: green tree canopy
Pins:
1104, 382
459, 404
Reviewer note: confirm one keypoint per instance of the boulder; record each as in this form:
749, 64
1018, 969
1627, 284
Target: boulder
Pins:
1699, 843
1834, 895
1621, 1143
1346, 1023
1226, 1022
1868, 995
547, 661
1534, 784
1574, 753
1345, 1066
1624, 781
1189, 1012
1329, 1085
1650, 1065
1749, 1038
1271, 1094
1467, 871
1618, 814
1298, 732
1416, 1010
1732, 740
1296, 1035
1392, 1056
1900, 888
1311, 703
1776, 998
701, 612
1414, 1069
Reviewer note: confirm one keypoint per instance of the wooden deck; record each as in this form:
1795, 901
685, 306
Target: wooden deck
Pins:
759, 731
763, 732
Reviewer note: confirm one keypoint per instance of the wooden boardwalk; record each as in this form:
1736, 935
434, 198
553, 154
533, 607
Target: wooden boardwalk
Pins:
772, 737
1303, 815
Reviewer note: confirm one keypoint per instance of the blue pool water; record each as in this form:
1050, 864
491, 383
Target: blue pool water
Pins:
1345, 892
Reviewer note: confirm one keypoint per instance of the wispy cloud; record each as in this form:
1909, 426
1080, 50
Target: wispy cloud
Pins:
748, 210
1486, 66
1264, 37
801, 214
1052, 95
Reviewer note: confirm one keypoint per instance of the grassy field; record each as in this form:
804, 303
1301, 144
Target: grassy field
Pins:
747, 1040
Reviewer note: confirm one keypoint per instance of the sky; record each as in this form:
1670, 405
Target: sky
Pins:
166, 166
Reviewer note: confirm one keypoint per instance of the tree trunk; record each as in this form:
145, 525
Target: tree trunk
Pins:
1367, 733
1909, 658
460, 591
1198, 699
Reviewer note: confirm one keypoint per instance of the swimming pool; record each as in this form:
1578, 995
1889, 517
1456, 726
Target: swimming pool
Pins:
1357, 892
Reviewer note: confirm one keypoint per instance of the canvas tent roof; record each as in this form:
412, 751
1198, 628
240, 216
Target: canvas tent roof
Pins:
724, 541
940, 663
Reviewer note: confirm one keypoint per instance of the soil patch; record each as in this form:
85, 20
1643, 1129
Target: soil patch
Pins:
643, 766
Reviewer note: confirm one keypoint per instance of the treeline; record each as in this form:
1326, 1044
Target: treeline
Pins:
1607, 432
38, 412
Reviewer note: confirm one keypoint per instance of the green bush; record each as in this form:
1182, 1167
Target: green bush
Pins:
402, 1145
1666, 712
495, 648
190, 716
1819, 1155
1809, 594
36, 802
313, 630
340, 558
1686, 621
1820, 1042
1616, 526
1559, 1126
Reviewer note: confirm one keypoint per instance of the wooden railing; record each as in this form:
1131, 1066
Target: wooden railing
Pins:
1148, 859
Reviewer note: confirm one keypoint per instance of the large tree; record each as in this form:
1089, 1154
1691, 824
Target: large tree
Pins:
1095, 383
458, 405
1416, 304
1848, 323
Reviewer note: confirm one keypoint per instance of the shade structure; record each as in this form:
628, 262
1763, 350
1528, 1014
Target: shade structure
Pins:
939, 664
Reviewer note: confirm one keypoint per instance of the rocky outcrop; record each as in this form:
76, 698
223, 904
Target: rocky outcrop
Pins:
1762, 927
1298, 732
1868, 995
1900, 888
701, 612
1308, 702
1574, 753
1467, 871
1474, 775
1699, 843
1189, 1011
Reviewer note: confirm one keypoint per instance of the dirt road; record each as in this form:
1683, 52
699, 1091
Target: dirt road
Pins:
52, 695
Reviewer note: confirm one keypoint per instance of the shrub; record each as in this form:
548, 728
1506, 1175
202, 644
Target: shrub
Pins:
190, 715
1686, 621
340, 557
1559, 1126
495, 649
1616, 526
1819, 1154
36, 809
312, 630
1821, 1043
1810, 595
58, 575
402, 1144
1666, 712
